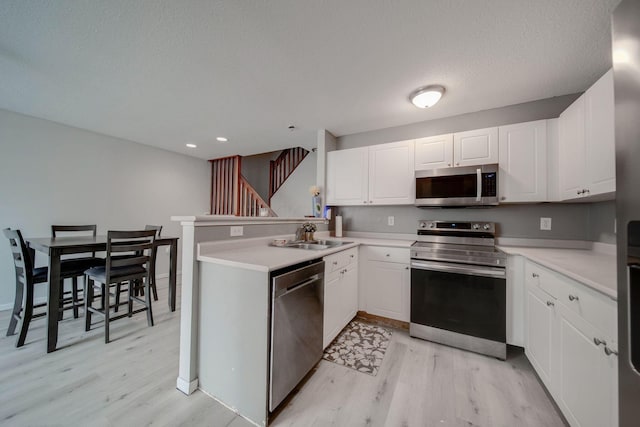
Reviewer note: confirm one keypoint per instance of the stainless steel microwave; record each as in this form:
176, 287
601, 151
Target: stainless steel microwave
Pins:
463, 186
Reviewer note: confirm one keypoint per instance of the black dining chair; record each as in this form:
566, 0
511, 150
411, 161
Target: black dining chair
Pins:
26, 279
154, 289
129, 259
76, 266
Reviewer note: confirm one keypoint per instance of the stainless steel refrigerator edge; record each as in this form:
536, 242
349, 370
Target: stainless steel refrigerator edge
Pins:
626, 65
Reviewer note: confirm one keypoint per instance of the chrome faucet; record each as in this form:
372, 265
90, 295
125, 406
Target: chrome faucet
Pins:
300, 233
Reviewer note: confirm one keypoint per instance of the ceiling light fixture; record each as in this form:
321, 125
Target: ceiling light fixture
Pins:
192, 146
426, 96
221, 139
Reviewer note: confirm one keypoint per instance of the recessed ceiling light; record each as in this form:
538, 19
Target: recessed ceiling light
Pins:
426, 96
192, 146
221, 139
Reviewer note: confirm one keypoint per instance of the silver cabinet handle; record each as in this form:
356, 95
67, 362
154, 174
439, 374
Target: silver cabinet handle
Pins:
609, 352
587, 191
598, 341
335, 262
579, 192
406, 268
550, 303
388, 255
534, 275
503, 198
573, 298
448, 164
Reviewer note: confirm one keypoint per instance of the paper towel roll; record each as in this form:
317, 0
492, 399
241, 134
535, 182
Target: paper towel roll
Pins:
338, 226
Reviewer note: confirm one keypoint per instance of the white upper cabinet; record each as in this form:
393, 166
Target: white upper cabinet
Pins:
600, 136
523, 162
434, 152
587, 143
380, 174
475, 147
348, 176
391, 174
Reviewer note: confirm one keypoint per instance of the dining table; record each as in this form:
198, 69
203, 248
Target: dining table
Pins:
55, 248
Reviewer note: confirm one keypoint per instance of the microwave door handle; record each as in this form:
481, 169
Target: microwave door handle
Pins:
478, 185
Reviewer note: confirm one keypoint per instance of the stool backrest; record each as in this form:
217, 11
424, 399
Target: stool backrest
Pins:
137, 245
158, 229
21, 256
57, 229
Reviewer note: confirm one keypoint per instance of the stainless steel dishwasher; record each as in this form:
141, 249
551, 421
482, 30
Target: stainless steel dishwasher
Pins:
297, 304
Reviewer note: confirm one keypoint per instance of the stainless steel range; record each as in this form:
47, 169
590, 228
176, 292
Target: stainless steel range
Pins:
458, 287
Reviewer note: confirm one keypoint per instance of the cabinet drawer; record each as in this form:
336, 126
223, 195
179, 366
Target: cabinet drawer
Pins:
340, 260
382, 253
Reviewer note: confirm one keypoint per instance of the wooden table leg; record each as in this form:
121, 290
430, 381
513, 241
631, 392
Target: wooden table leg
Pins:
173, 266
53, 305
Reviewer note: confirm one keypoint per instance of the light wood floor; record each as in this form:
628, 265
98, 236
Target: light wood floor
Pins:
131, 382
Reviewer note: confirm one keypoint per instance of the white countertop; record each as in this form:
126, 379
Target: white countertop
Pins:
594, 268
257, 254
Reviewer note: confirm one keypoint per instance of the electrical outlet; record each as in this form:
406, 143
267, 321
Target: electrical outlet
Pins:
391, 220
237, 230
545, 223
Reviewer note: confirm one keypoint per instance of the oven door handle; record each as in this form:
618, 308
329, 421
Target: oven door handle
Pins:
471, 270
478, 185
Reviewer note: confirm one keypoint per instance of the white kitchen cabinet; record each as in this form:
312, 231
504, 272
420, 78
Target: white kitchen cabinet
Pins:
475, 147
380, 175
386, 282
587, 375
523, 162
340, 292
571, 343
391, 174
539, 337
434, 152
348, 176
587, 143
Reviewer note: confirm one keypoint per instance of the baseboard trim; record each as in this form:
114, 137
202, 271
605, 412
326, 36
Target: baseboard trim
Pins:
187, 387
383, 321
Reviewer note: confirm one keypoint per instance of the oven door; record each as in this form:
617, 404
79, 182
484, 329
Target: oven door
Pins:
468, 300
464, 186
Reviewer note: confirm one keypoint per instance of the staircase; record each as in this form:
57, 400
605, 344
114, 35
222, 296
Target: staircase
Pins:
283, 166
231, 194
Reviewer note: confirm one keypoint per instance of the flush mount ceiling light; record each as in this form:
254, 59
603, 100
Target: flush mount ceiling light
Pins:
426, 96
192, 145
221, 139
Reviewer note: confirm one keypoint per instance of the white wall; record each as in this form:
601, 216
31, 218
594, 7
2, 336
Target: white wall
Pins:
293, 200
52, 173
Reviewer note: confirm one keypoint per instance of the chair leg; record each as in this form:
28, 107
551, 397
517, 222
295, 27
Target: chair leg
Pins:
130, 299
118, 289
74, 292
17, 308
88, 302
107, 309
61, 302
152, 281
147, 298
26, 317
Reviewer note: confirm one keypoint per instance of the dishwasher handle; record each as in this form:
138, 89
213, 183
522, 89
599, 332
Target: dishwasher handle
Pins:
297, 286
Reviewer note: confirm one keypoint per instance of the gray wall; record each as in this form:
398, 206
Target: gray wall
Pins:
256, 170
569, 221
601, 222
529, 111
55, 174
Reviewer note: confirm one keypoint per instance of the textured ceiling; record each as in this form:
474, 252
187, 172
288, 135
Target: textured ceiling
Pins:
165, 73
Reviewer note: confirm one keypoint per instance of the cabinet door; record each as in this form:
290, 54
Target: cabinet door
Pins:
572, 150
434, 152
350, 294
475, 147
391, 174
387, 290
347, 176
523, 162
539, 338
586, 376
600, 136
332, 307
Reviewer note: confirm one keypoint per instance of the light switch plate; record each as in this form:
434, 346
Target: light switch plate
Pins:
391, 220
237, 230
545, 223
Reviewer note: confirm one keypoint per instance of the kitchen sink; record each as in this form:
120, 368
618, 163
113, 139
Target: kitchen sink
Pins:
316, 244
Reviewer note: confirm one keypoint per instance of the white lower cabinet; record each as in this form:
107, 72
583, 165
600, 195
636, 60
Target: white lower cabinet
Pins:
571, 343
386, 282
340, 292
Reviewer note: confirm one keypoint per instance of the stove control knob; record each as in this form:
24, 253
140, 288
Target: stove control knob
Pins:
432, 225
423, 225
486, 226
476, 226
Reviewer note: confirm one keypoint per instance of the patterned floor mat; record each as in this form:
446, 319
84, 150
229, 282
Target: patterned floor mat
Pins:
359, 346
